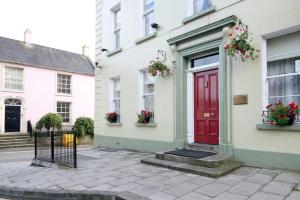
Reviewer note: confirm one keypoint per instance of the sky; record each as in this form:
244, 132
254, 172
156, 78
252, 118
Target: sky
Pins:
61, 24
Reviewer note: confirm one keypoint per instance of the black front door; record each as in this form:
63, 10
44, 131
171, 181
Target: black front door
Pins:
12, 118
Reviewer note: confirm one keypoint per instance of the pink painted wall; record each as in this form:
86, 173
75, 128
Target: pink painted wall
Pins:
39, 96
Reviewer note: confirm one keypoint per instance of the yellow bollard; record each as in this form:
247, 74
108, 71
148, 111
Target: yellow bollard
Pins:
68, 140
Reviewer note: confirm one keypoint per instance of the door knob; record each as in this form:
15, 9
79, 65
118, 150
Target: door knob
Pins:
212, 114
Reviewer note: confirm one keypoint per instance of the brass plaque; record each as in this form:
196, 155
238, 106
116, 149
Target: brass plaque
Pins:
240, 99
206, 115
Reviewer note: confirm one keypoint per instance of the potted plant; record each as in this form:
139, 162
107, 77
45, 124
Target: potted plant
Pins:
111, 117
159, 68
144, 117
238, 43
282, 115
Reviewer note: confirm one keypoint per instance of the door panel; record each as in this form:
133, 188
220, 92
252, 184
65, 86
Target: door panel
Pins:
12, 118
206, 113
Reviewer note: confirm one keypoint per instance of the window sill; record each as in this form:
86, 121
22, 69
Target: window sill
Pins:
198, 15
114, 124
153, 124
64, 95
294, 127
111, 53
145, 38
16, 91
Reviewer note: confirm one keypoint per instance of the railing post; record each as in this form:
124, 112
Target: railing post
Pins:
75, 150
35, 145
52, 146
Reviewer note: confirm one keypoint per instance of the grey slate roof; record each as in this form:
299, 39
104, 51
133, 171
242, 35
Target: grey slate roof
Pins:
15, 51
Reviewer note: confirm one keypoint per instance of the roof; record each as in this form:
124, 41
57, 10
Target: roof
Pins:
15, 51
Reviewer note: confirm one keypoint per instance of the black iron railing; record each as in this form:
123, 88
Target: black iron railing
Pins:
56, 146
266, 119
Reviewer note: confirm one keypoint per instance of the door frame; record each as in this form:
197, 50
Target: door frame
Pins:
190, 97
4, 110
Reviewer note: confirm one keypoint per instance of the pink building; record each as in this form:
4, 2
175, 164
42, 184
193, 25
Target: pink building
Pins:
35, 80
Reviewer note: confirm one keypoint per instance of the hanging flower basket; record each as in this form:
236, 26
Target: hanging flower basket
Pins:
158, 68
238, 43
282, 115
111, 117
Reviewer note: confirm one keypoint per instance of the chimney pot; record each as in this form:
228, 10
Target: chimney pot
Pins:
27, 36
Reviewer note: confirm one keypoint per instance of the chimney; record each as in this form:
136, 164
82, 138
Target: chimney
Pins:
27, 36
85, 50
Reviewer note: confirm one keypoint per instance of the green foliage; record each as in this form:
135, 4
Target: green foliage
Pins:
49, 121
83, 126
158, 67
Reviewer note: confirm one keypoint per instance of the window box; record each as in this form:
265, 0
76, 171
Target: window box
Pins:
153, 124
114, 124
269, 127
145, 38
111, 53
198, 15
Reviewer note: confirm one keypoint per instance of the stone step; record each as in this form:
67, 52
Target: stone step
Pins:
202, 147
16, 140
194, 169
16, 146
7, 137
216, 160
7, 143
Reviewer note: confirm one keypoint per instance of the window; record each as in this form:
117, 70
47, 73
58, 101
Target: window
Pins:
13, 78
63, 84
148, 16
115, 106
283, 78
206, 60
64, 110
147, 92
117, 25
200, 5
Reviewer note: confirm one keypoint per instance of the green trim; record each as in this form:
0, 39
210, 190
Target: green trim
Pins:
198, 15
182, 58
215, 26
145, 38
146, 125
113, 124
268, 159
294, 127
111, 53
136, 144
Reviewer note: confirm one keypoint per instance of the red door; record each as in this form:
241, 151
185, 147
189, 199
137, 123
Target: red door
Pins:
206, 105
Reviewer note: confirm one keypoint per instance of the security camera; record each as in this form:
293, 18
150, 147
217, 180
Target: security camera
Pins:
155, 25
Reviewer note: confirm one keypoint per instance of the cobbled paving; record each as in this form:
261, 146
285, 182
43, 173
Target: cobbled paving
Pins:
105, 170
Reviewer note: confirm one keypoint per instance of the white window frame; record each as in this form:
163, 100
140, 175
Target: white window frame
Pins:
70, 110
112, 99
71, 84
264, 60
146, 13
116, 30
4, 79
142, 93
194, 11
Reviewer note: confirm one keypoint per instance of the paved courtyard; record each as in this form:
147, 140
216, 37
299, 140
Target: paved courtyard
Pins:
118, 171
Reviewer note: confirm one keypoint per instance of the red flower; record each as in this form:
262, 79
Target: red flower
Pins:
227, 46
230, 34
235, 46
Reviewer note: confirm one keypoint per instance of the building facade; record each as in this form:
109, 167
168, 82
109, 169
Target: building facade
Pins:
211, 98
36, 80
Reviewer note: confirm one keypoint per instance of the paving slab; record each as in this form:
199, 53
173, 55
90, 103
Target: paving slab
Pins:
276, 187
295, 195
213, 189
266, 196
194, 196
230, 196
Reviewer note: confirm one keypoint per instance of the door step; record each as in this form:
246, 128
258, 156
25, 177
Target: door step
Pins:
194, 169
212, 166
15, 141
202, 147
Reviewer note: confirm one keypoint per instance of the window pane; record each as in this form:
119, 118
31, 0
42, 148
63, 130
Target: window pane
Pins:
148, 88
63, 84
117, 39
205, 60
149, 19
149, 5
200, 5
149, 103
13, 78
63, 109
279, 67
281, 86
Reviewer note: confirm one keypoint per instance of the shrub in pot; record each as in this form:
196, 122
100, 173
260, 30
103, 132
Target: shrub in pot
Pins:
144, 117
50, 121
282, 115
84, 126
111, 117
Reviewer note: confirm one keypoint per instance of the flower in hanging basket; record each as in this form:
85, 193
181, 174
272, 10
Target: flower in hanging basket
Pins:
158, 68
238, 43
282, 115
111, 117
144, 117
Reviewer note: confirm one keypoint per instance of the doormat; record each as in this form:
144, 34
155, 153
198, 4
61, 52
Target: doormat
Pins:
190, 153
